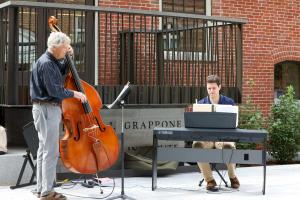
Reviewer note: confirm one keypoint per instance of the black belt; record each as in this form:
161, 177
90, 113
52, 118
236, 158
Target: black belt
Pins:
46, 103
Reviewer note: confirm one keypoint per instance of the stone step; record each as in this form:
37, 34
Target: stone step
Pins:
10, 166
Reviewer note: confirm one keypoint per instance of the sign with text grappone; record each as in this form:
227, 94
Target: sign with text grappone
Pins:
139, 123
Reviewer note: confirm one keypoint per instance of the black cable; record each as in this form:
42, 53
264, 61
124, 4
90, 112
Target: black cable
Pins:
73, 184
68, 185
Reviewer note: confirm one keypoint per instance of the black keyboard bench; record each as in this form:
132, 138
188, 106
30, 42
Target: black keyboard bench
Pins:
209, 155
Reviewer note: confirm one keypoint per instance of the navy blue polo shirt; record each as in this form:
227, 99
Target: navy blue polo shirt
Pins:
223, 100
46, 81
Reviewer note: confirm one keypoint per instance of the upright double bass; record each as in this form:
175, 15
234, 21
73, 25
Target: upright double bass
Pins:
88, 145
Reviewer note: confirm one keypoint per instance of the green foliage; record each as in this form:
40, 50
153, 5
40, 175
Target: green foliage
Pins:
250, 117
284, 127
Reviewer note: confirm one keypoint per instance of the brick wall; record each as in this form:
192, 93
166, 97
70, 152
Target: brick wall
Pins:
108, 38
271, 35
131, 4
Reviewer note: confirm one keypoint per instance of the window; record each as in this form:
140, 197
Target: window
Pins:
27, 51
79, 28
285, 74
184, 6
183, 38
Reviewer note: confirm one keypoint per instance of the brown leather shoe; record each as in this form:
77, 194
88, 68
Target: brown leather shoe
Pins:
53, 196
211, 185
36, 193
234, 183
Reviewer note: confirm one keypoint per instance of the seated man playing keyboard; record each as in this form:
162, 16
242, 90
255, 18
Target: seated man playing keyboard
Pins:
213, 87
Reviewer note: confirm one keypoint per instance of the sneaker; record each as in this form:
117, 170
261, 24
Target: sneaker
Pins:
211, 185
234, 183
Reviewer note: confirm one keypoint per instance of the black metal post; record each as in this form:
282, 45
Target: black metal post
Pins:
12, 68
154, 163
122, 195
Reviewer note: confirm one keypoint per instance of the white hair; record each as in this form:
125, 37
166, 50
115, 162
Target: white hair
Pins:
56, 39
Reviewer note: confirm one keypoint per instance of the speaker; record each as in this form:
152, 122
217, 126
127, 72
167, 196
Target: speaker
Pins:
31, 138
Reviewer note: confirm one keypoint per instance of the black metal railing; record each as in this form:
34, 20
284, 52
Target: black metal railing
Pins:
166, 56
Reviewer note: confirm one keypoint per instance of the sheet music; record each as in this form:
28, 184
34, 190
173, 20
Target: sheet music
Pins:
202, 107
228, 109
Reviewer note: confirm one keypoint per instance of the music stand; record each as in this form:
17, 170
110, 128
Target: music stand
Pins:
120, 101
